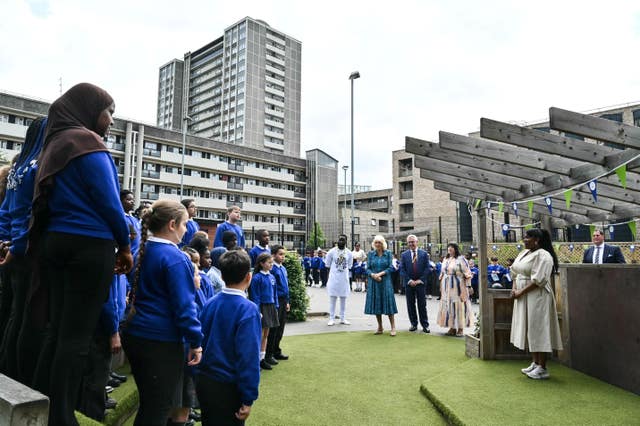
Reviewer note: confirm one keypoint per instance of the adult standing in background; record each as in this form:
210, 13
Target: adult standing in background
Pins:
77, 222
339, 260
414, 270
601, 252
534, 324
231, 224
380, 298
192, 225
455, 307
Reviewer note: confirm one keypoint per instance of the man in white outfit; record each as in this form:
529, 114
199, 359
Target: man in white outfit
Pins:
339, 260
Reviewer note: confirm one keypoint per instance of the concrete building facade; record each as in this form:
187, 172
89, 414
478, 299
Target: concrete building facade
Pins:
322, 194
269, 187
242, 88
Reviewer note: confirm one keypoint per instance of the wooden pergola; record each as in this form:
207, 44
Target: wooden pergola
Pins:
510, 163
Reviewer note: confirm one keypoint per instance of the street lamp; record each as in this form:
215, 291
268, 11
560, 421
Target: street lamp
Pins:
184, 143
352, 77
278, 210
344, 207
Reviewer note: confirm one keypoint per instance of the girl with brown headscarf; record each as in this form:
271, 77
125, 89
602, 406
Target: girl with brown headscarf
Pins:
77, 223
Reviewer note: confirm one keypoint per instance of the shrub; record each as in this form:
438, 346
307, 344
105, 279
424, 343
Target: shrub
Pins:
298, 298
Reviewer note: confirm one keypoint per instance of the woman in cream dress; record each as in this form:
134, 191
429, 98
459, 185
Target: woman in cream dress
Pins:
534, 324
455, 288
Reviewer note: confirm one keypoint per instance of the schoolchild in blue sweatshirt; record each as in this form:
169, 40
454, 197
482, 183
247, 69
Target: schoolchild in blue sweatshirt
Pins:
192, 225
316, 263
162, 314
263, 293
15, 213
263, 245
233, 216
274, 352
229, 374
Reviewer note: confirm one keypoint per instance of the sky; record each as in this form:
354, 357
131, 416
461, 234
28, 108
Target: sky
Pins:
425, 65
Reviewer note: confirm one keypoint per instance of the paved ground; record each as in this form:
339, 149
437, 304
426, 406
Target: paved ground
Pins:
319, 304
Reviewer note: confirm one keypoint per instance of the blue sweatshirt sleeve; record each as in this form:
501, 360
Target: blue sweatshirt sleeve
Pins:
5, 218
22, 208
217, 241
255, 291
109, 317
247, 365
182, 294
99, 174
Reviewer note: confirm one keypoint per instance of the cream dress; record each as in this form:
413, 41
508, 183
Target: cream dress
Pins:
534, 325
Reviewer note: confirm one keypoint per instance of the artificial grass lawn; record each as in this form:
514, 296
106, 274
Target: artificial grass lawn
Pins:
355, 379
495, 392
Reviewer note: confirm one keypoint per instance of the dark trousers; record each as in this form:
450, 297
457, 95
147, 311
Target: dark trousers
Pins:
219, 402
6, 300
316, 276
475, 295
275, 333
414, 294
79, 270
18, 276
307, 276
158, 369
324, 276
91, 401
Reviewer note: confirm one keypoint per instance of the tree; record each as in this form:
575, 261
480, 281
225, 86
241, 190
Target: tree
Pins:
316, 238
298, 299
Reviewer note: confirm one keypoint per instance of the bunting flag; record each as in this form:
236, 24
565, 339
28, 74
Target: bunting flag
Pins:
530, 205
528, 226
571, 247
567, 198
488, 205
500, 206
478, 201
515, 208
611, 231
632, 226
593, 187
505, 229
557, 247
547, 201
585, 246
622, 175
632, 247
591, 229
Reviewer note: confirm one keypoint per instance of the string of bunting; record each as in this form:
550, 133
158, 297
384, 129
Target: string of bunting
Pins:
592, 184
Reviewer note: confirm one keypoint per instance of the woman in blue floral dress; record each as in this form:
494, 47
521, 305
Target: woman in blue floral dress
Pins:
380, 298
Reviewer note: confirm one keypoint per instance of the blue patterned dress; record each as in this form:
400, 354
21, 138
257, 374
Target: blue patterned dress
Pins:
380, 298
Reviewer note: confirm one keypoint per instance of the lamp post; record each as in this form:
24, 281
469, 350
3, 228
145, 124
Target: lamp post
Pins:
184, 144
352, 77
279, 226
344, 207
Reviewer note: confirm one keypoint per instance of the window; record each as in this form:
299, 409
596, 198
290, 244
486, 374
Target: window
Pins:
356, 220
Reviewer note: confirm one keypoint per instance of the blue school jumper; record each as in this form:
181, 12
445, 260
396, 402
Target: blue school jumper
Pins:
192, 228
257, 251
228, 226
263, 289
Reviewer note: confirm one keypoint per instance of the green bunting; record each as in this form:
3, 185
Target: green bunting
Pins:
591, 229
567, 198
500, 207
528, 226
478, 201
632, 226
622, 175
530, 205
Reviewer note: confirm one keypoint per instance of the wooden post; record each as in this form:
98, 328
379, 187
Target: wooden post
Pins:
486, 305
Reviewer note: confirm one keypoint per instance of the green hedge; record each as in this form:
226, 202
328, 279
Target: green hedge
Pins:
299, 300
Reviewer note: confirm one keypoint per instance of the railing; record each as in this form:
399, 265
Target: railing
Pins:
234, 185
151, 174
299, 227
404, 172
237, 167
406, 217
234, 203
298, 177
299, 211
404, 195
151, 152
300, 194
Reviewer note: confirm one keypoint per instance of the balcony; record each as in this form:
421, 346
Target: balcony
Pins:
234, 185
300, 194
236, 167
151, 174
406, 217
404, 195
234, 203
299, 177
299, 211
299, 227
151, 152
149, 196
405, 171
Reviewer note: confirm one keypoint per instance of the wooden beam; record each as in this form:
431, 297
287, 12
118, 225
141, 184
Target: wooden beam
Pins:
594, 127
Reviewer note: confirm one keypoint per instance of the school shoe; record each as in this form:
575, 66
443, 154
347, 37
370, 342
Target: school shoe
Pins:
426, 330
413, 328
538, 373
330, 323
429, 297
530, 368
110, 403
282, 357
345, 322
108, 389
271, 360
264, 365
114, 383
121, 377
194, 415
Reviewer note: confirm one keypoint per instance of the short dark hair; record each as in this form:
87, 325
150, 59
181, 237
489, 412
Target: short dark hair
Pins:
261, 232
494, 259
276, 248
124, 193
187, 201
234, 266
228, 236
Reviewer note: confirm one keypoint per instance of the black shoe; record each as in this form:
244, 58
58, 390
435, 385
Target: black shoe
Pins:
110, 403
121, 377
194, 415
265, 365
413, 328
282, 357
271, 360
108, 389
114, 383
426, 330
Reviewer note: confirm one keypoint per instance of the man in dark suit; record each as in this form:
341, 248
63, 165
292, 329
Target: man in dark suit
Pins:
414, 269
601, 252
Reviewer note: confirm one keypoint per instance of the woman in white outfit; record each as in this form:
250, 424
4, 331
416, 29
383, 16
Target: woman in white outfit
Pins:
534, 324
339, 260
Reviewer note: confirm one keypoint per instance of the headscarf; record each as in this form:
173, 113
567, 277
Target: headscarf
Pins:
71, 133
